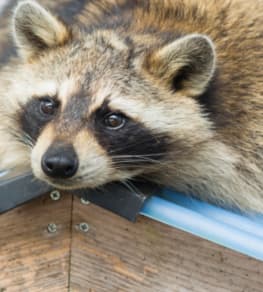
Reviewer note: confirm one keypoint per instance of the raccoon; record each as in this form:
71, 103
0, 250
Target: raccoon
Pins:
169, 91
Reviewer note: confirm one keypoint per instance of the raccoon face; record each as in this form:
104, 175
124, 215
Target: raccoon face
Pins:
93, 109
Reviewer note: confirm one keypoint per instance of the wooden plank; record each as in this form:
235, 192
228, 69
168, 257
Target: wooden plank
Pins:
31, 258
116, 255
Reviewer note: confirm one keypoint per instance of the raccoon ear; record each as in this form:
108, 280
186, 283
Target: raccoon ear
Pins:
35, 29
186, 64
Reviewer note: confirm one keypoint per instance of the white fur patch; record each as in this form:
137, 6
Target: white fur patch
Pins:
40, 88
66, 90
48, 87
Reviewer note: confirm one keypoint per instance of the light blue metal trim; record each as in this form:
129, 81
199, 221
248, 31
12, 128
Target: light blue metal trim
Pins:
239, 232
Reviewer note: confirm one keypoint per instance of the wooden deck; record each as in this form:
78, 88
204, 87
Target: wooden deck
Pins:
114, 255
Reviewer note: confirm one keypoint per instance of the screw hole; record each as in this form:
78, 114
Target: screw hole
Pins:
55, 195
84, 227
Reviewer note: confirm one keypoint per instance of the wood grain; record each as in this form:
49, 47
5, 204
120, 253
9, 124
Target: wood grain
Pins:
31, 259
116, 255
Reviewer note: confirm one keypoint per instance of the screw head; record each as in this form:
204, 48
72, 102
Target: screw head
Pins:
52, 228
84, 227
55, 195
84, 201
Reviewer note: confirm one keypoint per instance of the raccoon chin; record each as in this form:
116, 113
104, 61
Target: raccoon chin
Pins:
73, 184
69, 185
63, 186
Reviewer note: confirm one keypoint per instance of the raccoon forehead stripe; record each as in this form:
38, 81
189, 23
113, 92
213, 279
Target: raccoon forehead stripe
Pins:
43, 88
101, 92
68, 88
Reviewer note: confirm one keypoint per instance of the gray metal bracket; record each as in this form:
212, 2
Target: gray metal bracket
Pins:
19, 189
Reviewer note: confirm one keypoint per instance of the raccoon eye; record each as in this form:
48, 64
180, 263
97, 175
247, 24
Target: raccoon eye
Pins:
48, 106
114, 121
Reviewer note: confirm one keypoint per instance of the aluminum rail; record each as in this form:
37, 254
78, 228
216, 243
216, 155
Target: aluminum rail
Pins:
242, 233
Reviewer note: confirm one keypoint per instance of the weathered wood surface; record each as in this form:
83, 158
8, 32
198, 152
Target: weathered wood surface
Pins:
114, 255
31, 259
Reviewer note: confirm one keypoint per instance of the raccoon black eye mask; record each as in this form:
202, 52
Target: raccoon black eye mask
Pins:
36, 114
127, 141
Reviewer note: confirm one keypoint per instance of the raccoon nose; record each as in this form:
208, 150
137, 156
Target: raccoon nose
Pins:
60, 161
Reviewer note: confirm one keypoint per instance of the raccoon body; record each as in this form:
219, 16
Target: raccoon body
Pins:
171, 91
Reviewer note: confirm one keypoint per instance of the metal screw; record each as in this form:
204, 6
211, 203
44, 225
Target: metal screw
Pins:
55, 195
84, 201
52, 228
84, 227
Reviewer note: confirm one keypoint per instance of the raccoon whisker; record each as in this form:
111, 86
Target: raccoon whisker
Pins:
139, 155
26, 141
133, 144
20, 139
130, 186
127, 147
15, 132
88, 171
29, 138
85, 176
23, 137
131, 161
138, 158
135, 159
133, 186
135, 164
34, 179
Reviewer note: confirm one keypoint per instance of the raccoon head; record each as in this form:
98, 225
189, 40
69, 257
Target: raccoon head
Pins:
87, 108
